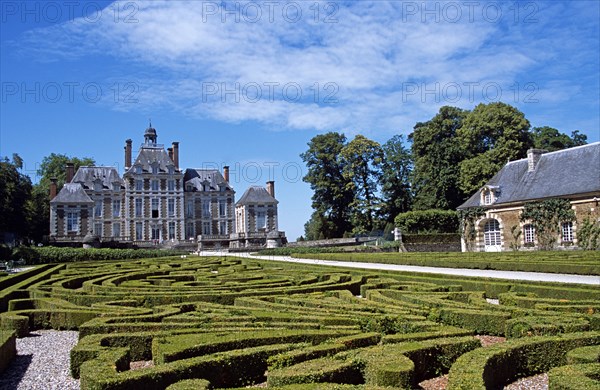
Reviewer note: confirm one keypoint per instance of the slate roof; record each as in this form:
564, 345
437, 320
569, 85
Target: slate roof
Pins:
87, 176
256, 194
562, 173
150, 154
197, 177
72, 193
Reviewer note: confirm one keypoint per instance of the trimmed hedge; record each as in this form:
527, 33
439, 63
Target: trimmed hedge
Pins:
190, 384
50, 254
428, 221
575, 377
8, 349
582, 355
501, 364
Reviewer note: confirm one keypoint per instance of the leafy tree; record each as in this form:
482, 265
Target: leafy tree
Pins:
363, 158
396, 169
15, 191
53, 166
437, 153
551, 139
333, 191
491, 135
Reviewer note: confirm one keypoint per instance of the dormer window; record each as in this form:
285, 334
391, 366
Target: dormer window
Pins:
155, 169
97, 186
489, 195
171, 170
116, 187
138, 169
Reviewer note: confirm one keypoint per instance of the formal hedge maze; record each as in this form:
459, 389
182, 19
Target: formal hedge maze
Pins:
195, 323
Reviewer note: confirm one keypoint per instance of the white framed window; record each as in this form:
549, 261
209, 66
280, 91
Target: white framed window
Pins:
529, 234
139, 185
116, 229
206, 208
154, 207
567, 231
206, 228
189, 211
491, 233
171, 230
154, 185
98, 229
116, 207
155, 232
138, 207
171, 207
222, 208
487, 197
72, 221
190, 232
139, 231
261, 220
171, 185
98, 208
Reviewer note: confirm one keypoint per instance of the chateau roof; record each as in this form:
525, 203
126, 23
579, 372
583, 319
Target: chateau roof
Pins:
87, 176
150, 154
256, 194
564, 173
196, 177
72, 193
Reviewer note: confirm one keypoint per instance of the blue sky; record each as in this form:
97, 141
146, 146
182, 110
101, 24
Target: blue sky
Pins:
248, 84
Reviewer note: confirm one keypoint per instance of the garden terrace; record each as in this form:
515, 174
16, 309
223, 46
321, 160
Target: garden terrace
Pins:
224, 322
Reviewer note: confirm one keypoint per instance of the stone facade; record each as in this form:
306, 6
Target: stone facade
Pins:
570, 174
154, 203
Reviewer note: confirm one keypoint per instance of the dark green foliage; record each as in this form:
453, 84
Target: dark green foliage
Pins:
42, 255
8, 348
550, 139
575, 377
15, 192
428, 221
396, 169
546, 216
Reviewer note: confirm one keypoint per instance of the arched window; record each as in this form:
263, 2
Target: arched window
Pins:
491, 233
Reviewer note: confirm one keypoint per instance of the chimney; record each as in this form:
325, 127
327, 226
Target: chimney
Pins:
176, 154
170, 151
128, 154
533, 157
226, 173
271, 188
53, 188
70, 172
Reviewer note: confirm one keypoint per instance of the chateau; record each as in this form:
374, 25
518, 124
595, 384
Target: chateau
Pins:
156, 203
572, 174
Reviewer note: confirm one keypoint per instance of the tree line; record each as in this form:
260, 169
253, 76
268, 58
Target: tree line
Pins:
360, 186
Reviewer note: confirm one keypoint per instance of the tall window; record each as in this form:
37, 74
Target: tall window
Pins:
222, 208
189, 211
98, 229
116, 229
171, 185
155, 203
139, 185
138, 207
491, 233
155, 232
154, 185
138, 169
171, 230
116, 187
529, 234
139, 231
116, 207
154, 169
261, 220
72, 221
98, 208
206, 228
171, 207
487, 197
223, 227
206, 208
567, 231
190, 231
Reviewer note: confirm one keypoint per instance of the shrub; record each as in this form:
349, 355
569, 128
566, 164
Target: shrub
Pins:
8, 348
428, 221
575, 377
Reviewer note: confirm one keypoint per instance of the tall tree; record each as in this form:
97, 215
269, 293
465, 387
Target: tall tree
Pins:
437, 153
551, 139
362, 168
52, 166
333, 192
491, 135
15, 191
395, 177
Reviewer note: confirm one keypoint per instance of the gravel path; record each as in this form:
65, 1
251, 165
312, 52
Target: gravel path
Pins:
42, 362
511, 275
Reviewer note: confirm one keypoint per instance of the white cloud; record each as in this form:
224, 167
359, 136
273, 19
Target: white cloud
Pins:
373, 56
